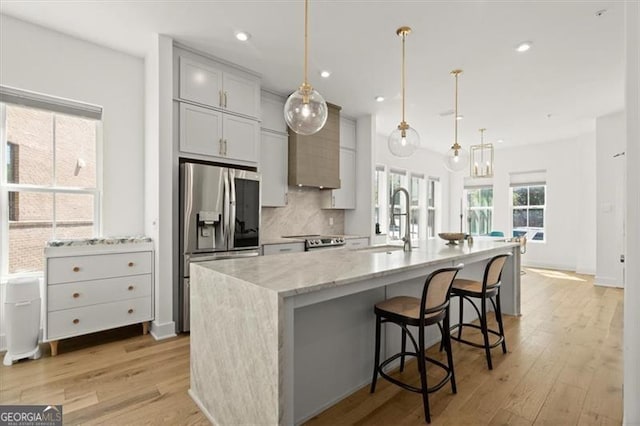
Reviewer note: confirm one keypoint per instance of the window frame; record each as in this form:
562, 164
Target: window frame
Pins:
527, 207
380, 185
6, 187
469, 209
421, 207
435, 182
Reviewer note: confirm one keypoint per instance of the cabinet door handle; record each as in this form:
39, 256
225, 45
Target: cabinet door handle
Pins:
131, 264
225, 99
220, 149
76, 269
130, 288
333, 201
225, 147
286, 198
76, 295
220, 98
130, 311
282, 250
75, 321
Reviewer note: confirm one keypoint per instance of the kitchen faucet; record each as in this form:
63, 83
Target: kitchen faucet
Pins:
407, 235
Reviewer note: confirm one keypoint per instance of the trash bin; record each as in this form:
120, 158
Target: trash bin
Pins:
22, 319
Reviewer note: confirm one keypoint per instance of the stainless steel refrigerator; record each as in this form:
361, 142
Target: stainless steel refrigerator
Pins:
219, 219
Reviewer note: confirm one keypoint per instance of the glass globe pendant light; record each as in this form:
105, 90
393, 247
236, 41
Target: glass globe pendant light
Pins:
404, 140
457, 158
305, 110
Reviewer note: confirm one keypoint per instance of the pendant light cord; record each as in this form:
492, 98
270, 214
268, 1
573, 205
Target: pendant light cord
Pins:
455, 115
306, 24
404, 35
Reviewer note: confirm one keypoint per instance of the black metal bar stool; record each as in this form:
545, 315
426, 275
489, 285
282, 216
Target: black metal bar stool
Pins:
485, 290
406, 311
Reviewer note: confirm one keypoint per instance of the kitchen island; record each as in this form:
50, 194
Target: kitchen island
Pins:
277, 339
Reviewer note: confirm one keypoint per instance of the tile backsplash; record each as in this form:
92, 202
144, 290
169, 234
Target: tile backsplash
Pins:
301, 216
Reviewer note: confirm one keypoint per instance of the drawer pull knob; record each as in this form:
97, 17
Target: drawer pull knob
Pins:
130, 264
130, 311
76, 269
75, 321
76, 295
130, 288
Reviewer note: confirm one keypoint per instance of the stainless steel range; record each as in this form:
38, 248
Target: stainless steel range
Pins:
319, 242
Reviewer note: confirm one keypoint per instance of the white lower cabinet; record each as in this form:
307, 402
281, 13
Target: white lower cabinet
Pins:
269, 249
90, 288
354, 243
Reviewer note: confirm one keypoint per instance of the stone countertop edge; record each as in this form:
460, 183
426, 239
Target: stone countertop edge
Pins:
273, 241
285, 293
76, 242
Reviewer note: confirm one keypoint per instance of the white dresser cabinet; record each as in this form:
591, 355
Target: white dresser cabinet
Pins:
98, 284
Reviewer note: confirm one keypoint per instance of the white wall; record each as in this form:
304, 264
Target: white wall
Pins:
610, 140
632, 288
37, 59
570, 200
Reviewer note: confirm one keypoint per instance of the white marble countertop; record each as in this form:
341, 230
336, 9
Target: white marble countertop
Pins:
74, 242
298, 273
281, 240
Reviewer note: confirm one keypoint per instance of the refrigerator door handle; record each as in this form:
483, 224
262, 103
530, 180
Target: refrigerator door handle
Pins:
232, 209
225, 224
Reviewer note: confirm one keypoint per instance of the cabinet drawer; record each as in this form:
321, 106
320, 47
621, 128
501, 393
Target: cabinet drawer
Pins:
357, 242
84, 293
84, 268
88, 319
282, 248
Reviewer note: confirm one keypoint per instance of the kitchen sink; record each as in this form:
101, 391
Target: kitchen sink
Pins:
380, 249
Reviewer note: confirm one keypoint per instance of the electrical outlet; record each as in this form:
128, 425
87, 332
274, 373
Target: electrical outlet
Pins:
330, 221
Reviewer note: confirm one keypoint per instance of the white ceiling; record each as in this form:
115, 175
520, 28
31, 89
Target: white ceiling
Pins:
573, 72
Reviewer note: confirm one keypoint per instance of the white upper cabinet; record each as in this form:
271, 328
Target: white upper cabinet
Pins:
274, 160
345, 196
241, 95
200, 130
200, 83
272, 113
205, 83
347, 133
240, 137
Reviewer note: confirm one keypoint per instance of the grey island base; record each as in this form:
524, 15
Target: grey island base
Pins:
277, 339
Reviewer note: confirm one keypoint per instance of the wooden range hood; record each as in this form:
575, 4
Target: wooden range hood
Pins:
314, 160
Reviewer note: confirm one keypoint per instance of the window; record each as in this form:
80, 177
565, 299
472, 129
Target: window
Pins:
479, 210
397, 222
528, 211
433, 195
50, 183
417, 206
380, 205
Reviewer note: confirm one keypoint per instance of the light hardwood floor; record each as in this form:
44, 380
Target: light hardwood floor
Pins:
564, 367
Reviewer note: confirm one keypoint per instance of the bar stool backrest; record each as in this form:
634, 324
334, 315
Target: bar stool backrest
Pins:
437, 289
493, 271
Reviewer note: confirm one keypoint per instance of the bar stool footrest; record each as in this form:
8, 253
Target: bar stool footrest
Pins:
477, 345
408, 387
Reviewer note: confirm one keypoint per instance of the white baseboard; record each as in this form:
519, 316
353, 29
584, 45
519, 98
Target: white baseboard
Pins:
586, 271
608, 282
544, 265
163, 331
3, 342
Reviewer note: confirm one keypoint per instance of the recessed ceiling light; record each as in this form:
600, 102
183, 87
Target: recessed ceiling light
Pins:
500, 140
524, 46
243, 36
325, 74
459, 117
379, 98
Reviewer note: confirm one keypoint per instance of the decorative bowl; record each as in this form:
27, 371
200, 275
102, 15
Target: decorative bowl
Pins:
452, 237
